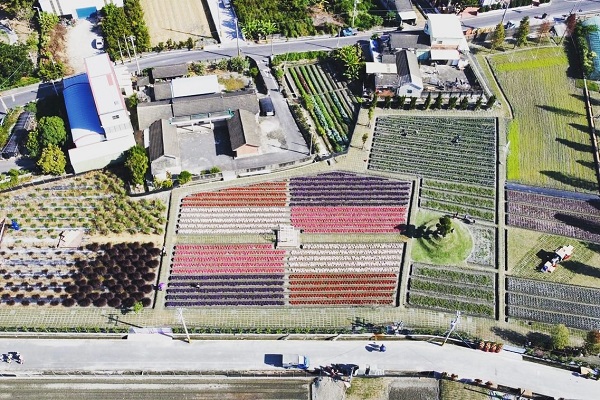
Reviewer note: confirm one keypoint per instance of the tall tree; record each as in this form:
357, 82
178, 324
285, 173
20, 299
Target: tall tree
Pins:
135, 15
115, 27
21, 9
14, 64
444, 226
351, 59
52, 161
522, 32
592, 342
544, 30
498, 36
52, 131
571, 22
560, 336
136, 161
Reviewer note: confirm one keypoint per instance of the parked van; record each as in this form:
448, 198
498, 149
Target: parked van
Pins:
266, 106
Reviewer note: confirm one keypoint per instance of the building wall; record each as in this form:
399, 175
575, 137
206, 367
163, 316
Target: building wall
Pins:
246, 151
69, 7
409, 90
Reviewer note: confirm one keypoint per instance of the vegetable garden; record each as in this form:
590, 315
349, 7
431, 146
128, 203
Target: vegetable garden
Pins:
553, 303
447, 288
577, 218
330, 104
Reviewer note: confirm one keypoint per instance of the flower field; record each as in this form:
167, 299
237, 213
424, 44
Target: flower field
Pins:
553, 303
100, 275
325, 203
479, 202
95, 202
564, 216
448, 288
259, 275
461, 150
484, 246
331, 105
550, 142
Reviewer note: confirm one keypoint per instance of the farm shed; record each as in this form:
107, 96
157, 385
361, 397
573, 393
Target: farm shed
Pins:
244, 133
163, 149
169, 71
445, 32
593, 39
410, 82
75, 8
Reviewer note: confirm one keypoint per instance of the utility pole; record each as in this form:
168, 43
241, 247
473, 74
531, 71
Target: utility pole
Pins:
453, 324
237, 36
182, 320
120, 51
506, 4
127, 47
354, 12
135, 55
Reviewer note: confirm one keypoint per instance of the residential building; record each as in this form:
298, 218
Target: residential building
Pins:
446, 38
163, 149
244, 133
75, 8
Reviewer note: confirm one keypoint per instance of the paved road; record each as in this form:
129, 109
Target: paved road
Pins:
167, 355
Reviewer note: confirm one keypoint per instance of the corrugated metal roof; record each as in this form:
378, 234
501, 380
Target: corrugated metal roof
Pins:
195, 85
163, 140
408, 69
81, 110
169, 71
243, 130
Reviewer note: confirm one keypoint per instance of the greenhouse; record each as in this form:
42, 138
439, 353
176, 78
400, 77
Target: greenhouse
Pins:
594, 43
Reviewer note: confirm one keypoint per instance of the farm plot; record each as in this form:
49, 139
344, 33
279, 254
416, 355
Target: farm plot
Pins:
553, 303
579, 219
461, 150
447, 288
330, 104
550, 142
176, 20
484, 245
527, 253
476, 201
100, 275
94, 202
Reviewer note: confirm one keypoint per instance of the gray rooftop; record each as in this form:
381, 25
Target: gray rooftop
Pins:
151, 111
408, 68
202, 104
243, 129
408, 40
169, 71
163, 140
161, 91
403, 5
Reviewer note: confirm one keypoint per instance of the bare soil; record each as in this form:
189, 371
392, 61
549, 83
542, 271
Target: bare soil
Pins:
176, 20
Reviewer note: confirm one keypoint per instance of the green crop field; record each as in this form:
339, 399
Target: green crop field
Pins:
527, 249
553, 147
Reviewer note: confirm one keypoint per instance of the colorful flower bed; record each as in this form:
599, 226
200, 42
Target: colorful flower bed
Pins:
553, 214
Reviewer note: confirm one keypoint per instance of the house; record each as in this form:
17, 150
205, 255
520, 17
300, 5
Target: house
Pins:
405, 11
446, 38
415, 41
166, 72
75, 8
410, 82
99, 122
593, 38
195, 85
163, 149
244, 133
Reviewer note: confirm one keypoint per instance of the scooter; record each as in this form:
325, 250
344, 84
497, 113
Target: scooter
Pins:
382, 348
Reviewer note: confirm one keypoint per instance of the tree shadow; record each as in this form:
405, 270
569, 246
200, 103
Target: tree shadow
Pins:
593, 101
581, 223
580, 268
544, 255
589, 164
509, 335
538, 339
415, 232
573, 70
586, 148
580, 127
560, 111
571, 180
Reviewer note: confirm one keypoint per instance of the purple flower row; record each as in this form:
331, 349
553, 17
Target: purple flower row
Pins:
246, 296
175, 277
228, 283
202, 290
231, 302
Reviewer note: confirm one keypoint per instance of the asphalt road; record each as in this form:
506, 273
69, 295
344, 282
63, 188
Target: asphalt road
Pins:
246, 355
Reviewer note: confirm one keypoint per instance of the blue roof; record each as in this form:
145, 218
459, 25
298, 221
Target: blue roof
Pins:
81, 109
594, 43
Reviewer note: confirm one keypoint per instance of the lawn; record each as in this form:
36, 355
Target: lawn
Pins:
553, 147
451, 390
451, 250
525, 260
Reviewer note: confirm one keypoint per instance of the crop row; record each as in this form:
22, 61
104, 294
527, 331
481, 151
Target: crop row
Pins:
460, 188
450, 305
480, 202
555, 291
422, 285
534, 211
449, 275
557, 227
591, 207
575, 321
458, 208
551, 304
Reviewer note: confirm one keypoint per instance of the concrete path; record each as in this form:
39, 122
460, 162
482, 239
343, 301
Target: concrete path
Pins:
109, 356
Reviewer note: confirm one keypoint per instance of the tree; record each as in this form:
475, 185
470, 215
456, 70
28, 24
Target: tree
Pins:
238, 64
491, 101
52, 161
33, 144
136, 162
559, 335
571, 22
189, 43
137, 26
115, 27
184, 177
413, 103
427, 101
498, 36
544, 30
592, 342
464, 103
15, 63
351, 59
21, 9
478, 103
452, 102
364, 139
522, 32
444, 226
52, 131
437, 104
137, 307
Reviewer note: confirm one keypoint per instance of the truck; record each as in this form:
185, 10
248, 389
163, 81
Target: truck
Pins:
294, 361
561, 254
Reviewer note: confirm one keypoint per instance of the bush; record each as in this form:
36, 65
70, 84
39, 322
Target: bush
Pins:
115, 302
85, 302
146, 302
101, 302
68, 302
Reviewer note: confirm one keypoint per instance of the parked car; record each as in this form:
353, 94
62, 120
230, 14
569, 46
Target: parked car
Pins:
99, 43
348, 32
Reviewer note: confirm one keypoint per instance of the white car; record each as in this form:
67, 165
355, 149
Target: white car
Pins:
99, 43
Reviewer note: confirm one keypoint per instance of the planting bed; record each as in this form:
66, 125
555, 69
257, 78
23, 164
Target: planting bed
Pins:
332, 106
100, 275
260, 275
461, 150
448, 288
95, 202
553, 303
451, 197
552, 214
325, 203
484, 245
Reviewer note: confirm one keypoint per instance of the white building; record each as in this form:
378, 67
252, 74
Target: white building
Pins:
446, 37
75, 8
100, 126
